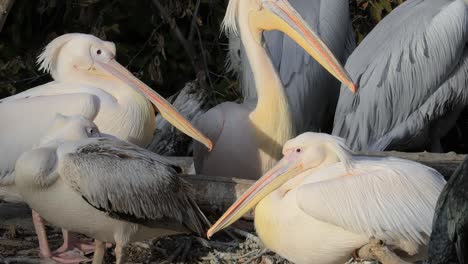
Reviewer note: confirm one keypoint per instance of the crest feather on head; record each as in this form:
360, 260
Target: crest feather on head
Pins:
48, 58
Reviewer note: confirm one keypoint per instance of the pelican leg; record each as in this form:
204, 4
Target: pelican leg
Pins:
99, 252
70, 257
119, 253
41, 235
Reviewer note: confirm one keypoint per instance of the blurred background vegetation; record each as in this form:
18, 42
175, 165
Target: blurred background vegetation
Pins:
164, 42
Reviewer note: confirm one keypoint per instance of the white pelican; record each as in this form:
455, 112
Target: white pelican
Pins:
260, 128
88, 81
105, 188
320, 203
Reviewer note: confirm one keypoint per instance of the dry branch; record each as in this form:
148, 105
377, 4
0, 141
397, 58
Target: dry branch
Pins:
5, 7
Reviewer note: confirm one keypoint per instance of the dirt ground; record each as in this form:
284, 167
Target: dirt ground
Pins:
18, 244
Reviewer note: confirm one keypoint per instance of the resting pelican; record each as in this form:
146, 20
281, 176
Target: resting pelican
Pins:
248, 137
320, 203
105, 188
88, 81
449, 238
411, 72
312, 92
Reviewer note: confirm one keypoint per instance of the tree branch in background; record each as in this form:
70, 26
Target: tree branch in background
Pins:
200, 71
5, 7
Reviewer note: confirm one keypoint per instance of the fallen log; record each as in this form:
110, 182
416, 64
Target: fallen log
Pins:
216, 194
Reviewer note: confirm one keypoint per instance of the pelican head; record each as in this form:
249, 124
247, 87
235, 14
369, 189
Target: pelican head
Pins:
87, 59
301, 154
69, 128
266, 15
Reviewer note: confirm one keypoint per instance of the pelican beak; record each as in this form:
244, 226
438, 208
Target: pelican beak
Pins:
284, 170
280, 15
168, 112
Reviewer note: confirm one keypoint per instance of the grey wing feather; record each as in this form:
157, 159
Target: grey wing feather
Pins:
447, 97
311, 90
26, 118
129, 182
400, 66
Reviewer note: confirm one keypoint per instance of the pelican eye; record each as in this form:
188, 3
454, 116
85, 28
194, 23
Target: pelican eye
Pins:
298, 150
91, 131
98, 52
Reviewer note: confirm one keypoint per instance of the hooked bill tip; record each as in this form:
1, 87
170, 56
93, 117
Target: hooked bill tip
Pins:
210, 146
353, 87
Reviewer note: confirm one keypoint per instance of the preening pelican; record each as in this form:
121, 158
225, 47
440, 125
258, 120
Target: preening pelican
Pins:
248, 137
320, 202
449, 238
411, 72
88, 81
105, 188
312, 92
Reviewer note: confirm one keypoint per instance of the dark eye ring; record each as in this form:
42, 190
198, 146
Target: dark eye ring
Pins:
98, 52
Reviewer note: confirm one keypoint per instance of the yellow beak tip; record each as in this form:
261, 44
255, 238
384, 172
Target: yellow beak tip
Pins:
209, 145
353, 87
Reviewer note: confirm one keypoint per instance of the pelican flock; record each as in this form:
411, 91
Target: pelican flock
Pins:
88, 81
73, 149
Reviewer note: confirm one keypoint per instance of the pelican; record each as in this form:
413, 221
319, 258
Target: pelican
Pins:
320, 202
312, 92
105, 188
449, 238
411, 73
88, 81
259, 129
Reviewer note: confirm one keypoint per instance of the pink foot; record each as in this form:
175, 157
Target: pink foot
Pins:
83, 246
70, 257
72, 243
